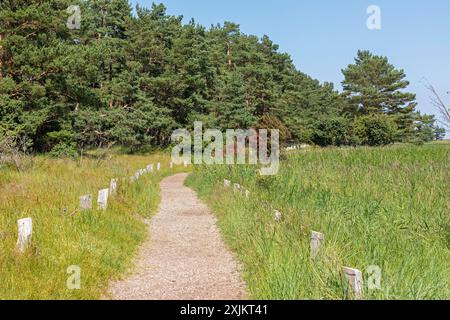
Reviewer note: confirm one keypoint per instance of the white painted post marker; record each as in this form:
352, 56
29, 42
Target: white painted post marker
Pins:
355, 281
171, 165
102, 201
316, 241
278, 216
113, 187
25, 231
86, 202
185, 163
158, 166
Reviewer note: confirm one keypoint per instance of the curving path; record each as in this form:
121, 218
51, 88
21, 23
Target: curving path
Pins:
184, 257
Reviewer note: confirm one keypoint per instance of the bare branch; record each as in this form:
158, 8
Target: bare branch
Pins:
439, 104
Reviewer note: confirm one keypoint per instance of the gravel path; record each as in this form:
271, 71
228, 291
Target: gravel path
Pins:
185, 257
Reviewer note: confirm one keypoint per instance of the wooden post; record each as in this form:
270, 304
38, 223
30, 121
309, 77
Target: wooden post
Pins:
140, 173
226, 183
25, 231
171, 165
102, 201
185, 163
317, 239
86, 202
355, 281
278, 216
113, 187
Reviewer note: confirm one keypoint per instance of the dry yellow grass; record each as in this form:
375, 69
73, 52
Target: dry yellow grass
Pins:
102, 244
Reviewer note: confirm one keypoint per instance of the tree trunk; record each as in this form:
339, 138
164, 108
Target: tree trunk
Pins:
1, 57
229, 54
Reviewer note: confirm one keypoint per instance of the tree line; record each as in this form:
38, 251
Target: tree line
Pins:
131, 78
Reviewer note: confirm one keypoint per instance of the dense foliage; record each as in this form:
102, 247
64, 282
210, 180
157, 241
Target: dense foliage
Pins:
131, 78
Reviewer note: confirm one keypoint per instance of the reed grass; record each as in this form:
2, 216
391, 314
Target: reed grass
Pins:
385, 207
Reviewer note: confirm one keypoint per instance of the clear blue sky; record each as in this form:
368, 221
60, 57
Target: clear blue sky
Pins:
323, 36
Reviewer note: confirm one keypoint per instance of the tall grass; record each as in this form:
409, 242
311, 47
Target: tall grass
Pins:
102, 244
385, 207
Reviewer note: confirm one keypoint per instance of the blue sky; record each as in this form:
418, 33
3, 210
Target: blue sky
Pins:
323, 36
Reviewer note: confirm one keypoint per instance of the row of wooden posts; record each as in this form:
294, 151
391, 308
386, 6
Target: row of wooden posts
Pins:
237, 188
353, 276
25, 226
103, 194
303, 146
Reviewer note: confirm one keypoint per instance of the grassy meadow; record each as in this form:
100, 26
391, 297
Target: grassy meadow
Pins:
385, 207
102, 244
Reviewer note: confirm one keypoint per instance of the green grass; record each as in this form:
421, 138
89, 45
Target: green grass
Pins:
102, 244
387, 207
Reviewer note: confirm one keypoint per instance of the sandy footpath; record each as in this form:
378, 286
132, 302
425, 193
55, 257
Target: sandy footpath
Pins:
184, 257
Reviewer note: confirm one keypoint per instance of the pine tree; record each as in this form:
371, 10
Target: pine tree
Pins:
34, 94
373, 85
230, 108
